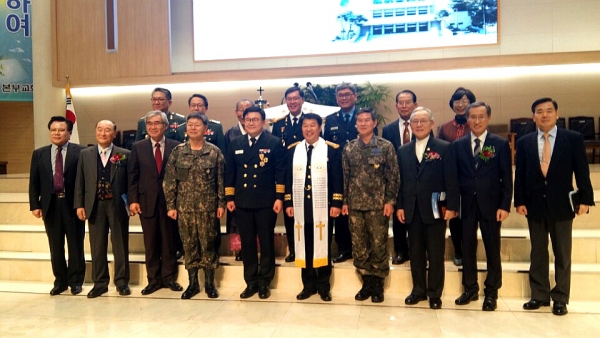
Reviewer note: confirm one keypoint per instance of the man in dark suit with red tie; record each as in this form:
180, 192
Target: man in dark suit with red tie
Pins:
146, 169
545, 165
399, 133
485, 178
427, 166
51, 186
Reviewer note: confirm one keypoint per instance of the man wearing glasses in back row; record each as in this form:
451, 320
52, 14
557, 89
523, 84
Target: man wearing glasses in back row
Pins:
161, 100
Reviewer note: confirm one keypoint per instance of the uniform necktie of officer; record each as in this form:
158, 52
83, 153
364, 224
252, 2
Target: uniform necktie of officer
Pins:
477, 151
58, 172
546, 154
103, 157
347, 119
295, 122
158, 157
406, 134
252, 141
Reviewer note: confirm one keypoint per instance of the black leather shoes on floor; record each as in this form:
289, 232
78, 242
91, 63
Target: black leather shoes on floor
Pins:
535, 304
559, 309
435, 303
325, 296
57, 290
466, 298
342, 258
263, 292
400, 259
489, 304
124, 290
97, 292
305, 294
75, 290
249, 292
238, 257
414, 299
174, 286
290, 258
151, 288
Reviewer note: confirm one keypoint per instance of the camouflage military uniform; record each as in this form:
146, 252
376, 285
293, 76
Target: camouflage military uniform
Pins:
193, 185
371, 180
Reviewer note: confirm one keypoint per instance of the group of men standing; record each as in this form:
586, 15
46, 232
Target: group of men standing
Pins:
341, 177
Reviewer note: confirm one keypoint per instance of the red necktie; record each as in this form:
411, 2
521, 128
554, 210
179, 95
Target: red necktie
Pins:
58, 172
406, 134
158, 157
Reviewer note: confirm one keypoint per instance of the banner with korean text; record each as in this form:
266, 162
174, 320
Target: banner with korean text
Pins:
16, 69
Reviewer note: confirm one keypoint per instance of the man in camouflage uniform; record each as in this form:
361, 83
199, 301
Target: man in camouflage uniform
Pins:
161, 100
371, 182
195, 194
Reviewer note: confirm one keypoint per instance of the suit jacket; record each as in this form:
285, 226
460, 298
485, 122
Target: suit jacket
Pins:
286, 132
336, 130
491, 183
145, 183
391, 132
175, 120
87, 179
417, 183
548, 197
254, 177
41, 178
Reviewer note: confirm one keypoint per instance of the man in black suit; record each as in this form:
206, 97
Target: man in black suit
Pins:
340, 128
254, 188
51, 186
101, 198
399, 133
545, 165
427, 169
485, 178
146, 169
288, 129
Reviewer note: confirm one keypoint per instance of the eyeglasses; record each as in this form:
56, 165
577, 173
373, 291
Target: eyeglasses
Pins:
293, 99
197, 105
158, 99
465, 102
344, 95
154, 124
478, 118
417, 122
252, 120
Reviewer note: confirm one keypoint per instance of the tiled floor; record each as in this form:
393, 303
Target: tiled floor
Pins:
163, 314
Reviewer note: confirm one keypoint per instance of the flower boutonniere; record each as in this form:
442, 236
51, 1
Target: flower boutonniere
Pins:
118, 158
430, 155
487, 153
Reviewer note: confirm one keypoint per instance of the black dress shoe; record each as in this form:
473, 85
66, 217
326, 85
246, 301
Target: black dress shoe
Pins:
466, 298
377, 298
435, 303
75, 290
342, 258
238, 257
151, 288
124, 290
400, 259
57, 290
178, 254
249, 292
97, 292
263, 292
290, 258
174, 286
559, 309
305, 294
325, 296
489, 304
535, 304
414, 299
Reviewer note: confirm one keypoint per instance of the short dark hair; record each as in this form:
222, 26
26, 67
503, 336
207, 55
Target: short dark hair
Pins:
255, 109
200, 96
414, 96
237, 104
312, 116
198, 116
488, 109
61, 119
459, 93
368, 110
164, 91
543, 100
294, 89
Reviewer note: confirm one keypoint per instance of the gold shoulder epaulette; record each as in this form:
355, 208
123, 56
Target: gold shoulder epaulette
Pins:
331, 144
293, 145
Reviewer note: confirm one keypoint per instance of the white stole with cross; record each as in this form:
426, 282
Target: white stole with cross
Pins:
318, 196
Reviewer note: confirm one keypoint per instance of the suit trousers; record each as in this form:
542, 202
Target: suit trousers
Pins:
343, 239
289, 232
61, 222
159, 245
490, 233
369, 231
103, 219
315, 279
427, 241
252, 223
456, 234
561, 237
400, 240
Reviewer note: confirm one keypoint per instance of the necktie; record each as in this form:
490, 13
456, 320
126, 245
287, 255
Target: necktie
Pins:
252, 141
158, 157
58, 172
295, 122
308, 155
406, 134
546, 155
347, 119
103, 157
477, 151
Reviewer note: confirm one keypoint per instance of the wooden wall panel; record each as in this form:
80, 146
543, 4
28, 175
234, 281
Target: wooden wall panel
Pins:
16, 135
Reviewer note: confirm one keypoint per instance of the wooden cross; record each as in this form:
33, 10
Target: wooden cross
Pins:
298, 226
320, 226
